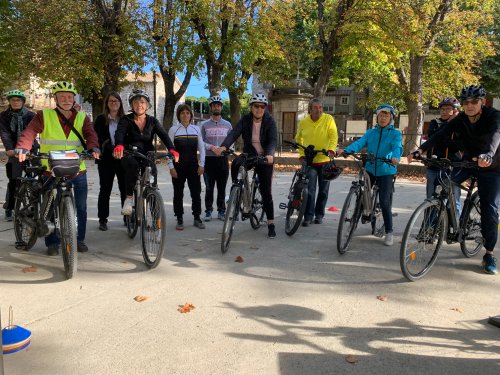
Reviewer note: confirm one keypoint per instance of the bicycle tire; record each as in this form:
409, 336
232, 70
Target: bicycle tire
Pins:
422, 240
232, 211
132, 221
153, 227
296, 207
257, 208
67, 225
470, 223
25, 216
349, 217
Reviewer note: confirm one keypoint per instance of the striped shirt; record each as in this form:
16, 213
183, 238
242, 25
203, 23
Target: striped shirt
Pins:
188, 141
213, 133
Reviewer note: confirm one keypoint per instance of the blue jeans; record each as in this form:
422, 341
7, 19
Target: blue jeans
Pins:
80, 189
316, 206
385, 187
488, 186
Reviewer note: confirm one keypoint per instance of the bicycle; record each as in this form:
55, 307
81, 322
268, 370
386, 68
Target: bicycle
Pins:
436, 219
148, 211
297, 195
244, 198
44, 205
361, 202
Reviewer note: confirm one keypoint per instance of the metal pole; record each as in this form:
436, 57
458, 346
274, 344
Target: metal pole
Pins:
1, 346
154, 103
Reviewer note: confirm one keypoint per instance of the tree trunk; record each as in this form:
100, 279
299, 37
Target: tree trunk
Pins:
414, 104
234, 106
214, 75
172, 97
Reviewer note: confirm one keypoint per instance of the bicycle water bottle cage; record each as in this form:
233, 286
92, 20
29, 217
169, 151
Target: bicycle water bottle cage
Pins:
64, 163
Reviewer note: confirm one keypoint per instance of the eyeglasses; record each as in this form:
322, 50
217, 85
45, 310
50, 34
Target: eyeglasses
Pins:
113, 101
259, 106
471, 101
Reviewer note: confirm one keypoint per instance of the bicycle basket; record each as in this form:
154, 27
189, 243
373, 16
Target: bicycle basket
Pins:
64, 163
331, 171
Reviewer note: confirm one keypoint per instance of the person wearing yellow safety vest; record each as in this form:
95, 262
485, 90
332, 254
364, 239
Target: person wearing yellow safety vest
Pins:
58, 130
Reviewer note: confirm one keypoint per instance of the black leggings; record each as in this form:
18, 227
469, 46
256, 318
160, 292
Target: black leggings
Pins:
131, 166
187, 173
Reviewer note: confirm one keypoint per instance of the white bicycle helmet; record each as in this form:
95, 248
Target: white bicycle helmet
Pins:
258, 98
138, 94
215, 99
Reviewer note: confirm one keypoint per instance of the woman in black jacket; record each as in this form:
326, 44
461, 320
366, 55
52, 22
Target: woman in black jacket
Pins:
259, 134
105, 126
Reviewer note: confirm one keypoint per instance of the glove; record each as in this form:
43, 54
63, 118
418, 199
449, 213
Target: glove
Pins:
118, 148
175, 153
416, 154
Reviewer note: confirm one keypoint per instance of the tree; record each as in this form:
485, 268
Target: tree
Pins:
490, 68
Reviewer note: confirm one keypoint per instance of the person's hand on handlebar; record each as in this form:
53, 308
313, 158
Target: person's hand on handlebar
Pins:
332, 153
118, 152
414, 154
395, 161
21, 154
269, 159
484, 160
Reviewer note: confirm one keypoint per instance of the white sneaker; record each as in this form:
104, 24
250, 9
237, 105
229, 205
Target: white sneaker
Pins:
389, 239
127, 207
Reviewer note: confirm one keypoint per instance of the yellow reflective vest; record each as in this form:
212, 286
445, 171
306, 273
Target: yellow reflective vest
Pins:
52, 138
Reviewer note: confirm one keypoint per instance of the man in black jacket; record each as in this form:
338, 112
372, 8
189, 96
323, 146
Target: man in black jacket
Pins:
259, 134
12, 123
477, 131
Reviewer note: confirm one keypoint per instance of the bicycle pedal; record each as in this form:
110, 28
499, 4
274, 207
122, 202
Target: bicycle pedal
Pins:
283, 206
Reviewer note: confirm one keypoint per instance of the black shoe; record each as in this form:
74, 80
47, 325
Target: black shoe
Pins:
103, 227
318, 220
53, 250
271, 232
198, 223
81, 247
306, 222
180, 224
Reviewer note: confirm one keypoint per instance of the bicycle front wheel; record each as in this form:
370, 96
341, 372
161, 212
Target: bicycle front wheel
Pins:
472, 239
232, 211
153, 227
132, 220
67, 225
349, 217
257, 208
25, 215
422, 240
296, 208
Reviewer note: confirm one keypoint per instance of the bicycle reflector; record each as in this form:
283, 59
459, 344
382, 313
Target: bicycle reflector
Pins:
331, 171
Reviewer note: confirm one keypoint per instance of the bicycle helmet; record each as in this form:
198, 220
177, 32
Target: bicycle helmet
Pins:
258, 98
63, 86
451, 101
386, 108
215, 99
138, 94
330, 171
473, 91
15, 94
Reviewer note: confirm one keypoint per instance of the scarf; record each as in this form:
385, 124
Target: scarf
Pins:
16, 121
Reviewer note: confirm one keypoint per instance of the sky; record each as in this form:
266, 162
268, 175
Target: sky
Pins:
197, 87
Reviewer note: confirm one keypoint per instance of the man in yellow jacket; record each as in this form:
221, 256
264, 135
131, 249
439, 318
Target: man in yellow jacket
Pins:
317, 129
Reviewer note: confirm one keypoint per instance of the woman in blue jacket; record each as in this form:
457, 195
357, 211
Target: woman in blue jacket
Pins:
382, 141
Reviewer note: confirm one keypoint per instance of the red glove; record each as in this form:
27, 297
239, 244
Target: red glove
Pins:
331, 153
175, 153
119, 148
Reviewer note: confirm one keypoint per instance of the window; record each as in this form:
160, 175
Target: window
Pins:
344, 100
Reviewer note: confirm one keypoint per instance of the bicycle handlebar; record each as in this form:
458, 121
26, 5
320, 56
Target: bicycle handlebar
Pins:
443, 163
368, 157
307, 149
150, 155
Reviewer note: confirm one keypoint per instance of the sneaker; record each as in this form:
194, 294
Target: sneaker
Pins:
306, 222
198, 223
81, 247
489, 264
208, 216
127, 207
103, 227
389, 239
52, 250
8, 215
318, 220
271, 232
180, 224
221, 216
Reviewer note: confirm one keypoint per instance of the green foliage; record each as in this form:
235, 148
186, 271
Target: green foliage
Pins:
490, 67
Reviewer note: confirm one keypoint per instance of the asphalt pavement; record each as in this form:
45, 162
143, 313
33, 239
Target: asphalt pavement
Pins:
293, 306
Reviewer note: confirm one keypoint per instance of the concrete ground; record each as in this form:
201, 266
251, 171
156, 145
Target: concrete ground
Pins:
294, 306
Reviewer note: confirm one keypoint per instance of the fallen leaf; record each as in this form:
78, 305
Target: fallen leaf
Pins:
351, 358
254, 247
382, 298
457, 309
187, 307
333, 209
29, 269
141, 298
239, 259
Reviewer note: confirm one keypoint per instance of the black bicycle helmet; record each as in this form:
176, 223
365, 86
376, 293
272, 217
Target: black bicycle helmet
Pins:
331, 171
473, 92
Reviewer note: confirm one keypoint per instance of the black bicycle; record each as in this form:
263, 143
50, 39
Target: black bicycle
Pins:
46, 204
361, 203
436, 219
244, 199
148, 211
297, 195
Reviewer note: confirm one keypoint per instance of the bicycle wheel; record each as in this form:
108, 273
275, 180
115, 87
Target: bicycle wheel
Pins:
67, 225
153, 227
233, 208
257, 208
296, 207
349, 217
132, 221
470, 223
422, 240
25, 215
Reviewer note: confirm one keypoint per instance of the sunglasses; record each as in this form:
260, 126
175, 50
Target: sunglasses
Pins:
472, 101
259, 106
